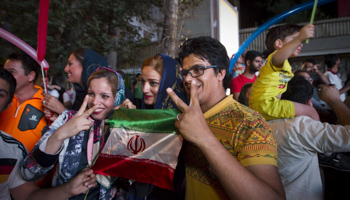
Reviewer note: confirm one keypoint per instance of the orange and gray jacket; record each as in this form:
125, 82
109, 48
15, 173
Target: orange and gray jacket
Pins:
26, 122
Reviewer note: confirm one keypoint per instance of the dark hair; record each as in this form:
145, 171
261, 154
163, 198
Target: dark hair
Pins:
298, 90
330, 60
301, 71
311, 60
279, 32
241, 97
28, 63
79, 54
111, 77
209, 49
251, 55
7, 76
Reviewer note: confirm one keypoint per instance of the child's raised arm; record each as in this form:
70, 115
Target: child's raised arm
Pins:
291, 45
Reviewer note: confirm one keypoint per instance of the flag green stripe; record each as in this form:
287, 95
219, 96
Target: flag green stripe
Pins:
145, 120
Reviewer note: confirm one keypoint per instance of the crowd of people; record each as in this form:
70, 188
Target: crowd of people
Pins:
264, 141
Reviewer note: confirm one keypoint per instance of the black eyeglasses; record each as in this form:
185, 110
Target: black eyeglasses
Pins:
195, 71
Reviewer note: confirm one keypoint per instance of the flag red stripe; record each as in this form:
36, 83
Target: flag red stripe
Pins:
141, 170
6, 169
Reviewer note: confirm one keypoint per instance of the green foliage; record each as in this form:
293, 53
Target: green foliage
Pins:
102, 25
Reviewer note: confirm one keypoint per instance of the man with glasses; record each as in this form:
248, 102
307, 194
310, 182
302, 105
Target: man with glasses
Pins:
231, 153
253, 63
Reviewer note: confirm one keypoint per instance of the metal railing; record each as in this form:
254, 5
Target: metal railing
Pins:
323, 28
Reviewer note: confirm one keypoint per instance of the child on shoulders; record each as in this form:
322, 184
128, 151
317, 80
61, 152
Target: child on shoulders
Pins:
285, 42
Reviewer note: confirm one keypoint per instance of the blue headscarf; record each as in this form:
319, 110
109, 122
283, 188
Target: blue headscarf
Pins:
170, 78
92, 61
119, 98
120, 95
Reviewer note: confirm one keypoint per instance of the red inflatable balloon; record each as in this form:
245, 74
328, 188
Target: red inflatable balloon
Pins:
42, 28
24, 46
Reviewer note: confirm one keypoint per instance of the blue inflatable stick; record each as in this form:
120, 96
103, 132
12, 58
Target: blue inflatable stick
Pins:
278, 18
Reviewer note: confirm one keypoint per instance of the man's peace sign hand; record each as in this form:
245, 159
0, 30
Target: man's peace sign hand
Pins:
191, 122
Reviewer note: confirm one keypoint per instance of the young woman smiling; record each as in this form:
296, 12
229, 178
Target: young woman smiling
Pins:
80, 65
158, 73
74, 139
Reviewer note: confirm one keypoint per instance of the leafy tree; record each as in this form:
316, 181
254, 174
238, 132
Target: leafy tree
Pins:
103, 26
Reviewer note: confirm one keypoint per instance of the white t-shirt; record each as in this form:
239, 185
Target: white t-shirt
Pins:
299, 139
54, 93
69, 95
335, 79
11, 156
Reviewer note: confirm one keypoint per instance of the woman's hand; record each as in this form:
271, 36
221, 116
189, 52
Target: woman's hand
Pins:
50, 115
81, 183
53, 104
126, 104
80, 122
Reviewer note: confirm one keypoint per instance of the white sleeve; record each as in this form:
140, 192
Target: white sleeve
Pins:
313, 135
54, 93
66, 97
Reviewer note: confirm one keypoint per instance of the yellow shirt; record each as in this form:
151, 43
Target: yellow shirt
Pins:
243, 132
271, 82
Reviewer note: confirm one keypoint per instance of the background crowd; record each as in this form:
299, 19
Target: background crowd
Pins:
272, 138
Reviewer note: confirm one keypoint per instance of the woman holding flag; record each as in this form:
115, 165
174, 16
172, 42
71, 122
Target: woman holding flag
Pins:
158, 73
74, 139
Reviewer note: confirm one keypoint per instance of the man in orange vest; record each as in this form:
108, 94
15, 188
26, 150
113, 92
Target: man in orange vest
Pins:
24, 119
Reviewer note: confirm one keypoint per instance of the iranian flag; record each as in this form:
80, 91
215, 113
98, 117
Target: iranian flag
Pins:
143, 145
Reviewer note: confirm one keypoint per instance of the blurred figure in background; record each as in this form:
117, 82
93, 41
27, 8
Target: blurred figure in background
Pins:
128, 93
253, 63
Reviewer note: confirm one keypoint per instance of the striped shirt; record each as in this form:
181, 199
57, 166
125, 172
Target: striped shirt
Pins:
11, 155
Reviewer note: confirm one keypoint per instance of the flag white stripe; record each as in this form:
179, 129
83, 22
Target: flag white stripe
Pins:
163, 147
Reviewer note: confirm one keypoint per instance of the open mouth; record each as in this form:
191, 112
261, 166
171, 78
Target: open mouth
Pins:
147, 96
98, 111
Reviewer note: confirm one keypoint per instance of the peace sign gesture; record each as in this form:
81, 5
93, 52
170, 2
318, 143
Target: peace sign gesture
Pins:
80, 122
191, 123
